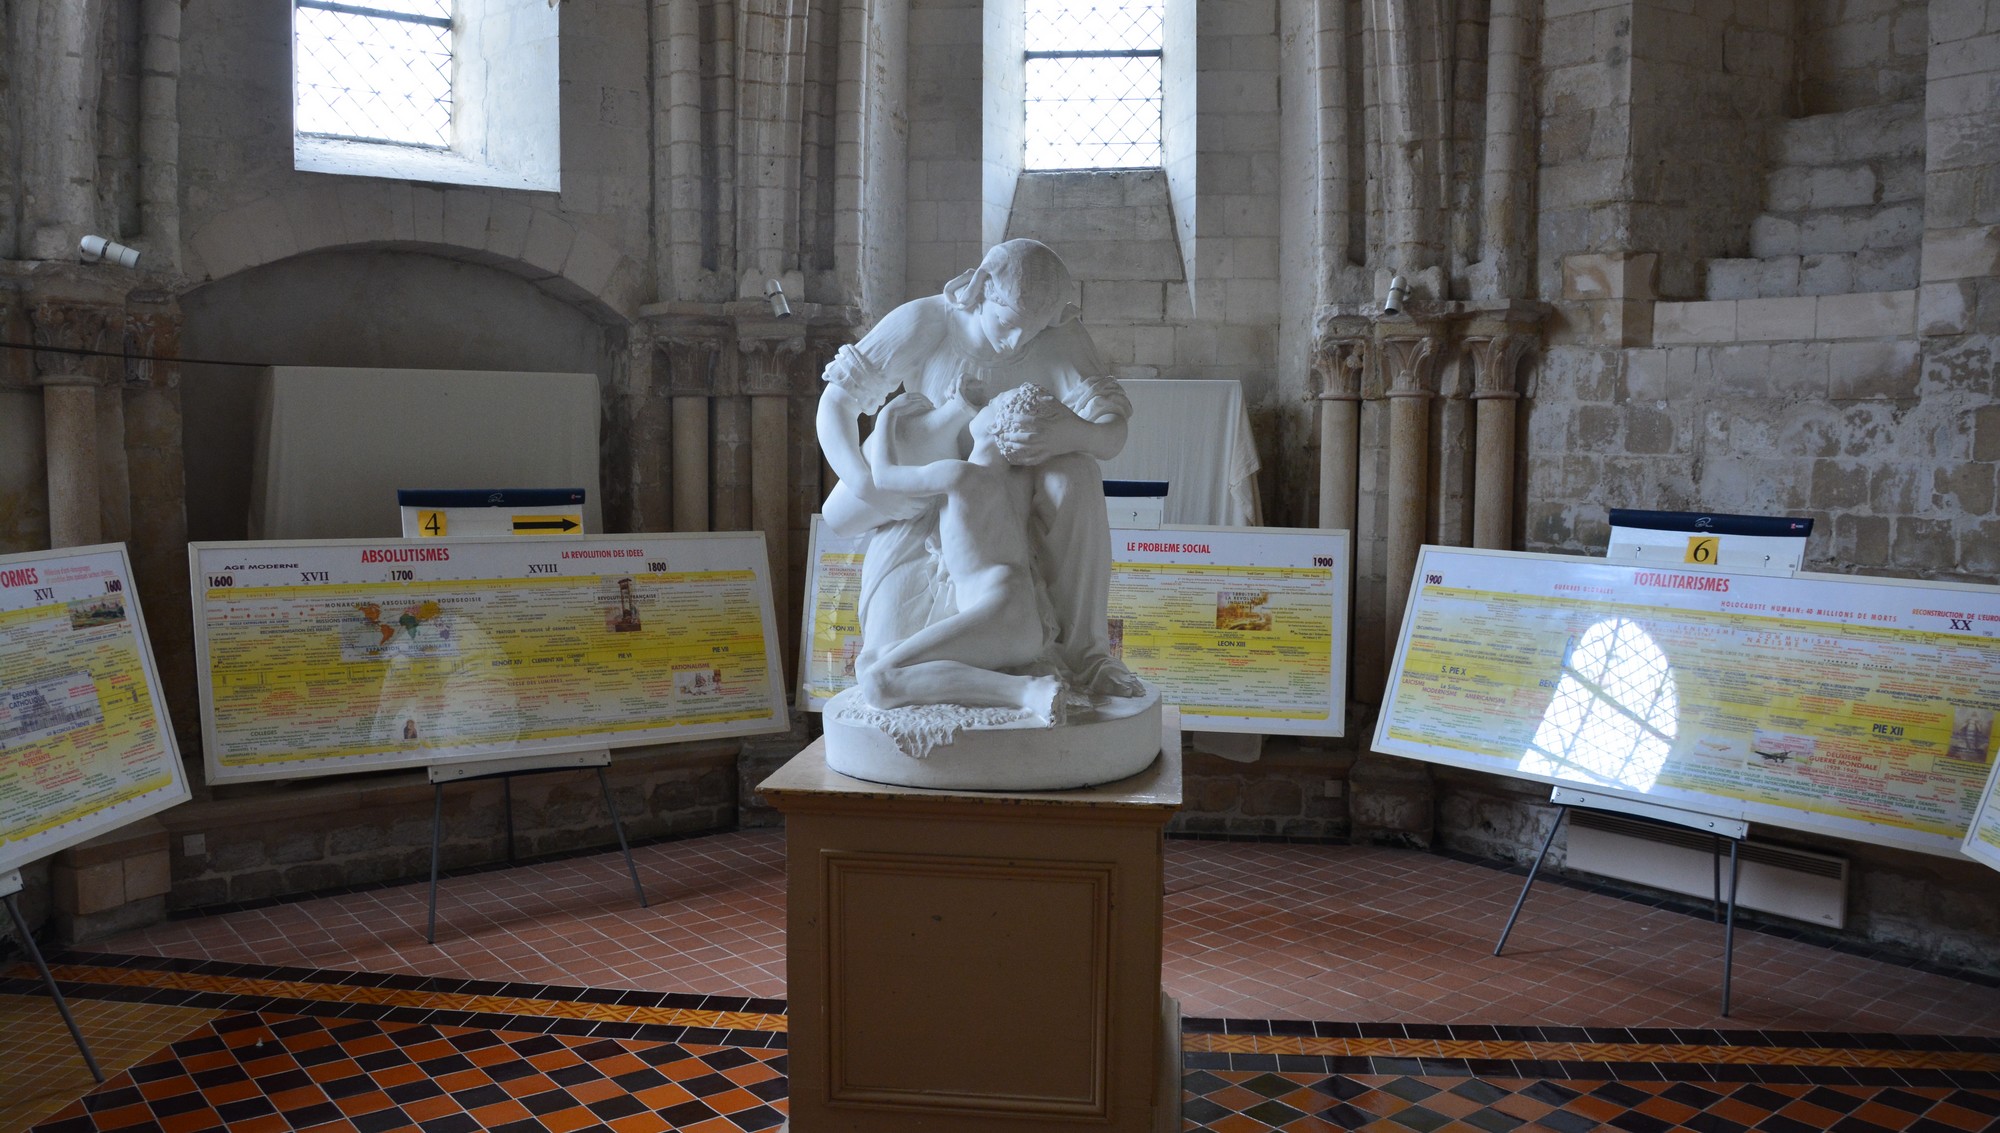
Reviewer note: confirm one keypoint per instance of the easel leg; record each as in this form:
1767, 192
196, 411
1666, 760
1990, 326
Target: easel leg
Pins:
55, 993
437, 842
632, 867
507, 806
1729, 928
1715, 876
1532, 870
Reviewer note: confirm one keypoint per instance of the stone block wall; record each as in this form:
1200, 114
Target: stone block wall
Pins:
1843, 208
1831, 407
1294, 790
117, 880
255, 842
1861, 54
243, 203
1114, 228
947, 175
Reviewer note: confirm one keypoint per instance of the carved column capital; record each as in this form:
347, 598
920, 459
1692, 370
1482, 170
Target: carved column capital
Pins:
74, 326
770, 365
1494, 360
692, 364
1339, 364
1409, 364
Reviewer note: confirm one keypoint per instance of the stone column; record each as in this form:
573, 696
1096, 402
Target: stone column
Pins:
768, 365
56, 87
69, 416
1339, 364
1494, 396
1409, 362
1505, 183
69, 424
771, 41
691, 365
1401, 31
680, 163
1335, 204
160, 133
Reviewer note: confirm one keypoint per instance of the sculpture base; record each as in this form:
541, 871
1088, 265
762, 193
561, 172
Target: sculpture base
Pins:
1117, 738
978, 962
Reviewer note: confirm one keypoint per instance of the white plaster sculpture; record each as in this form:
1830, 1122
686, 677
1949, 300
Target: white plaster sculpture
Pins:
985, 659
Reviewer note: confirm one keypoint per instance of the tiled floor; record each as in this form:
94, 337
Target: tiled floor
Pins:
558, 992
40, 1070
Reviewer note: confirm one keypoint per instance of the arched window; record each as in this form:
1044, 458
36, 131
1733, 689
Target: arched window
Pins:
1093, 84
1612, 720
379, 72
462, 92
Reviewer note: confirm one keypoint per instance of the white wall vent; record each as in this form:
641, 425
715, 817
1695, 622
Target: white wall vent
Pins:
1798, 884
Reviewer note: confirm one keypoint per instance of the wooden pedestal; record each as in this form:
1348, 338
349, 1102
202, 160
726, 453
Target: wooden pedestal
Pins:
977, 962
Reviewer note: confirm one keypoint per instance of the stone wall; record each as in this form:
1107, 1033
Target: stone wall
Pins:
1866, 427
258, 841
1293, 790
243, 204
1853, 55
946, 176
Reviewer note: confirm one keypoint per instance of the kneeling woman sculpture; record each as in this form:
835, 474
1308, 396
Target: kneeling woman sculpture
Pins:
985, 658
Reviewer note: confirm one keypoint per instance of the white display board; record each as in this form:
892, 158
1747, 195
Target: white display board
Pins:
1982, 838
1704, 539
334, 445
533, 513
349, 655
1856, 707
85, 744
1244, 629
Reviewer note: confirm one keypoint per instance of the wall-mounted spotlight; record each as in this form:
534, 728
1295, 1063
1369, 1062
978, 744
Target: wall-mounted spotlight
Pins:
774, 294
96, 249
1392, 304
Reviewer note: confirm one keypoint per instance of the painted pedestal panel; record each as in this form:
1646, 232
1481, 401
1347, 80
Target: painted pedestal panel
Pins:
977, 962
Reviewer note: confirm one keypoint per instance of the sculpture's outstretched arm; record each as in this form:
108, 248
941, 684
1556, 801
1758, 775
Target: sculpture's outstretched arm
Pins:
935, 478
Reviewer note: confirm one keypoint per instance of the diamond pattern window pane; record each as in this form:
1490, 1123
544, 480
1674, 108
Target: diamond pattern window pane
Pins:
375, 78
1093, 113
1057, 26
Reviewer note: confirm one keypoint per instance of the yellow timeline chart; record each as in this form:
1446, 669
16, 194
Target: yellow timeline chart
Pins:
495, 649
833, 633
1245, 629
1219, 640
1862, 708
84, 744
1982, 840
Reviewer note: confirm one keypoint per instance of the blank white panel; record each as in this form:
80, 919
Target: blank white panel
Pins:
334, 445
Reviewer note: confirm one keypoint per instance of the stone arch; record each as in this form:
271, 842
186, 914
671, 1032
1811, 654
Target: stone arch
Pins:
556, 255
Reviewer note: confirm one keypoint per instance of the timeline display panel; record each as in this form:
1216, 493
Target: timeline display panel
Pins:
344, 655
1244, 629
85, 744
1856, 707
1982, 838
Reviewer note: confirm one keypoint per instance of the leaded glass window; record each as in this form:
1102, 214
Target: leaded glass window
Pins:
378, 71
1093, 84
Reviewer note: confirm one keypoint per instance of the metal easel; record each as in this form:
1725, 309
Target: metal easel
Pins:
505, 770
10, 885
1734, 829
